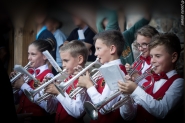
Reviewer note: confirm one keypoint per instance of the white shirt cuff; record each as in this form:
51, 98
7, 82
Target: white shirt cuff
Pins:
92, 91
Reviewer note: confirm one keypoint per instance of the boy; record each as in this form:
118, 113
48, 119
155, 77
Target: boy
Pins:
161, 101
108, 46
143, 38
70, 110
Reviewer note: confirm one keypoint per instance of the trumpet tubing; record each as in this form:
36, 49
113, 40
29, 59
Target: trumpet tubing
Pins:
144, 75
138, 61
32, 93
64, 85
121, 102
92, 109
78, 90
43, 97
12, 80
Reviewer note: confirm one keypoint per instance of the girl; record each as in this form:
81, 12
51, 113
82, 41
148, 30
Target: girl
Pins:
39, 69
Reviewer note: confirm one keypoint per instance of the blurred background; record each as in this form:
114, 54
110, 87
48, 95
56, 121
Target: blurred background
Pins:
18, 27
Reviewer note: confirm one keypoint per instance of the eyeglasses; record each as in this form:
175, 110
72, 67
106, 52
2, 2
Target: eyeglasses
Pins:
144, 45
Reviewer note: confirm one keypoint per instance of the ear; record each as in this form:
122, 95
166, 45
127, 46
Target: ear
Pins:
112, 49
174, 57
44, 57
80, 59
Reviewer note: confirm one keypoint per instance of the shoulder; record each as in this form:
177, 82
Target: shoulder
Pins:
89, 31
46, 34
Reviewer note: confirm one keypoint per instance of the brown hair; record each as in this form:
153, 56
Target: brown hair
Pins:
76, 48
147, 31
169, 40
111, 37
44, 44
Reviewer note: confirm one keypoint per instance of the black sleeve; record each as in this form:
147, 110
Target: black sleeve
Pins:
8, 110
89, 35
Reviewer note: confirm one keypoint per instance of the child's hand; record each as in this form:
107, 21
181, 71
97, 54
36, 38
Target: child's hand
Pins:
135, 75
85, 81
12, 74
127, 87
46, 78
51, 89
77, 69
18, 83
127, 66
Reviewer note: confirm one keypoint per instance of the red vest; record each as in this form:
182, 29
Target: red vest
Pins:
26, 106
142, 114
61, 114
112, 117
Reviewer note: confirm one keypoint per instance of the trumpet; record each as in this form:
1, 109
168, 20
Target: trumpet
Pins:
92, 109
47, 95
32, 93
94, 79
28, 77
137, 62
12, 80
62, 87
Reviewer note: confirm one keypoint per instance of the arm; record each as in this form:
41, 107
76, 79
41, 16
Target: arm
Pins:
74, 107
158, 108
129, 34
47, 105
110, 15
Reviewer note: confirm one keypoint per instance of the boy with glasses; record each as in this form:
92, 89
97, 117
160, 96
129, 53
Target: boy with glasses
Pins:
143, 38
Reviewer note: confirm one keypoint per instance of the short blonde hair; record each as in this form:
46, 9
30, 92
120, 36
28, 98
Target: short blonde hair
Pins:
76, 48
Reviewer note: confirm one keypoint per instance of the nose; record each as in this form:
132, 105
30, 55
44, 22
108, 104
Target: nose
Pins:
95, 53
63, 65
140, 48
29, 57
152, 60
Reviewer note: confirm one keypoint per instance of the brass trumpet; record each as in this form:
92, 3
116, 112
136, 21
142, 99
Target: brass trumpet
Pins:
12, 80
28, 77
138, 61
57, 68
32, 93
92, 109
94, 79
62, 87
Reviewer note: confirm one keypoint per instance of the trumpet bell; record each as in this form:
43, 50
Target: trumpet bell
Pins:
91, 110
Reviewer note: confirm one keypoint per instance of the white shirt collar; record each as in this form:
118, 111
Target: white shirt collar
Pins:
84, 29
42, 68
171, 73
117, 62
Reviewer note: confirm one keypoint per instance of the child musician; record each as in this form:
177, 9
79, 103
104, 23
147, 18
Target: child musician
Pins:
39, 69
161, 102
143, 38
108, 46
70, 110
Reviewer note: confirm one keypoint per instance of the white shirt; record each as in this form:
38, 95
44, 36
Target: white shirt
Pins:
96, 97
50, 104
60, 38
158, 108
73, 107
